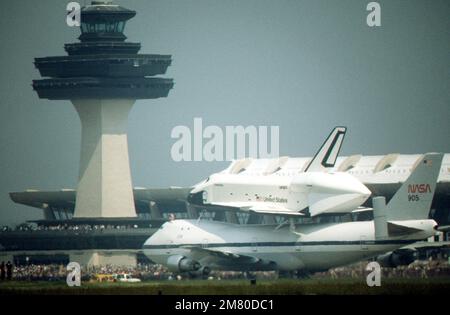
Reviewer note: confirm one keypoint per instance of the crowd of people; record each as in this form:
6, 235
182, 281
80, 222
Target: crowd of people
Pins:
423, 269
58, 272
144, 272
147, 272
66, 227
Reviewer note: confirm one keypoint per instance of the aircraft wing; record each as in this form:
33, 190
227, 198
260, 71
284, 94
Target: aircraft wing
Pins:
259, 207
398, 229
443, 228
171, 199
221, 257
425, 244
361, 209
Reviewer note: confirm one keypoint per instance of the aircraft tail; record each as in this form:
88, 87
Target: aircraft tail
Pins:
328, 152
413, 199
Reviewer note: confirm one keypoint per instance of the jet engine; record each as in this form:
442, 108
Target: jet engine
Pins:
179, 263
202, 272
397, 258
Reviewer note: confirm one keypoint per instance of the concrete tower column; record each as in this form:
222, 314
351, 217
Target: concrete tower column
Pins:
104, 187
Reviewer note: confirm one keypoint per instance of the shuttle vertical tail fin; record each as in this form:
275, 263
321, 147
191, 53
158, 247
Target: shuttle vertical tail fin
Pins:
328, 152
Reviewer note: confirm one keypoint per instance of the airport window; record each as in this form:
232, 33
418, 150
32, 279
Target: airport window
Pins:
121, 26
84, 28
101, 27
111, 27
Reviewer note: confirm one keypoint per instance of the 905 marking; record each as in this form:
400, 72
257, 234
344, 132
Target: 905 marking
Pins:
413, 198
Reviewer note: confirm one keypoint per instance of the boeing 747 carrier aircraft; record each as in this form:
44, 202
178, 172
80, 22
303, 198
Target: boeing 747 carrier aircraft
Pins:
198, 246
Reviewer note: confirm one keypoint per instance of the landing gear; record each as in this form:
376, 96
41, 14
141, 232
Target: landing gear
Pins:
302, 274
202, 273
282, 274
297, 274
250, 276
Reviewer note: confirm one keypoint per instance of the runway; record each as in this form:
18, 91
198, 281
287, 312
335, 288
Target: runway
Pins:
346, 286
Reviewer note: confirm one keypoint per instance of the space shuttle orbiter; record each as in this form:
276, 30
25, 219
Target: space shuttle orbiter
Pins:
313, 191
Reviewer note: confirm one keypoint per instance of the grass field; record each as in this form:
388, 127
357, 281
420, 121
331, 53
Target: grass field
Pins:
236, 287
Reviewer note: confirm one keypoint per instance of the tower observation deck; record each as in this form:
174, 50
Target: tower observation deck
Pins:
103, 76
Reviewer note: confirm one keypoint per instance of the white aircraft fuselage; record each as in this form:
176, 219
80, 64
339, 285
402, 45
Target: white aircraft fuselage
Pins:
312, 247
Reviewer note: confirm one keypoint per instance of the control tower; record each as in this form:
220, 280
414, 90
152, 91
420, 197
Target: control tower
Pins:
103, 76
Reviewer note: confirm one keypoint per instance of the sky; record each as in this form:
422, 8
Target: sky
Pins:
305, 66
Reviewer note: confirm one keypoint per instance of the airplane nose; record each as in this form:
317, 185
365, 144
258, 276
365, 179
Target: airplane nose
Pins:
196, 198
152, 240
